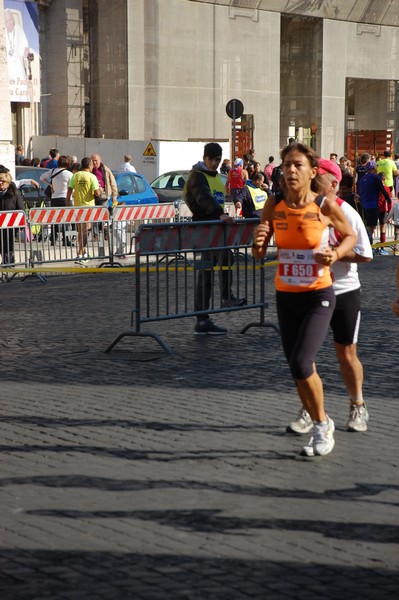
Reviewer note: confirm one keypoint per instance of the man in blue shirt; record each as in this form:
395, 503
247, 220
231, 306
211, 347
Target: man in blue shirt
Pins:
361, 169
54, 156
370, 188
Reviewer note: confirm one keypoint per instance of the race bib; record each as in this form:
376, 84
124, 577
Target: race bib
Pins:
298, 267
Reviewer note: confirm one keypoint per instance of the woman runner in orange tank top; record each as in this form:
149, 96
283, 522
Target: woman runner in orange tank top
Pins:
305, 298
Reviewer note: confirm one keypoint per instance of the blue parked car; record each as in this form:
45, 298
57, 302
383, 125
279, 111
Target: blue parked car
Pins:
133, 189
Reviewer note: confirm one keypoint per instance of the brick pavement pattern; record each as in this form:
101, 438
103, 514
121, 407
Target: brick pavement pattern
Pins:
136, 475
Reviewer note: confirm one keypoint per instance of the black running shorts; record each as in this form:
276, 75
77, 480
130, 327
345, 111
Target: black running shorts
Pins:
345, 321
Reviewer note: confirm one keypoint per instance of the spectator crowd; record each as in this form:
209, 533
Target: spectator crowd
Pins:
371, 187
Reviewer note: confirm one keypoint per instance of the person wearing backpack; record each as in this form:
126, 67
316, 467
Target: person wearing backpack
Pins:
58, 180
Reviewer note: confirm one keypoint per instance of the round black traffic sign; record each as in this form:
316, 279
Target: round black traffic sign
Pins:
234, 109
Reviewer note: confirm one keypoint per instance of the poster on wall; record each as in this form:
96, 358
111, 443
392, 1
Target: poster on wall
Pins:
22, 45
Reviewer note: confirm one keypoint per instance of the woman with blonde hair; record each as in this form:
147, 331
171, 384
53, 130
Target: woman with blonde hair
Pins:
10, 199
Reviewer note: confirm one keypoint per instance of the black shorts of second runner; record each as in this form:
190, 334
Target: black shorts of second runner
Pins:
371, 217
345, 321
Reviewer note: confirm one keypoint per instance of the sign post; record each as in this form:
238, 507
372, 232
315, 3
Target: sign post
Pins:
234, 110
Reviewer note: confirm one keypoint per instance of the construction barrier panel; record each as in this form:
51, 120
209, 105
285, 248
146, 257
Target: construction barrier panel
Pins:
13, 240
54, 233
127, 219
165, 288
183, 213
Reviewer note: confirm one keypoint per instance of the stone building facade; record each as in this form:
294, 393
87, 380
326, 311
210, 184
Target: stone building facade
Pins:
165, 69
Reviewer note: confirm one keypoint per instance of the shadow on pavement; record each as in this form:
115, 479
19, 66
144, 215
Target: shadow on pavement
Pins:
30, 575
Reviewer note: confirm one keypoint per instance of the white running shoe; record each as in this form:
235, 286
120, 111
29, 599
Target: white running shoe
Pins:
302, 424
308, 449
323, 437
358, 417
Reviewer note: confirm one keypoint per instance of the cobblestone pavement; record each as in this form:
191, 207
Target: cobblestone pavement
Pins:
136, 475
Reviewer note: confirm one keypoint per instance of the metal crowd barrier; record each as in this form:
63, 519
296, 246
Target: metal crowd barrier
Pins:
13, 240
165, 290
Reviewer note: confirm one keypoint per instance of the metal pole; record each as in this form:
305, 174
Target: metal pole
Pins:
234, 131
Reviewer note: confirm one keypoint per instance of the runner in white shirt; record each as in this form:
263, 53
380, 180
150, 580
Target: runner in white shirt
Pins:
346, 317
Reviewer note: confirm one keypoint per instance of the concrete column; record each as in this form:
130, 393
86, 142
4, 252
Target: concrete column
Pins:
333, 89
109, 68
65, 66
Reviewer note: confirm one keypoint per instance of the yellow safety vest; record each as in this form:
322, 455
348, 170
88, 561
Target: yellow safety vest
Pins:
258, 196
217, 188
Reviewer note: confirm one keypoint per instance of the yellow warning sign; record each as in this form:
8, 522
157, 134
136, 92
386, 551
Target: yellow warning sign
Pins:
149, 151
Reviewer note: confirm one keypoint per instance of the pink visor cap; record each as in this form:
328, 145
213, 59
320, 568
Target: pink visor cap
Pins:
330, 167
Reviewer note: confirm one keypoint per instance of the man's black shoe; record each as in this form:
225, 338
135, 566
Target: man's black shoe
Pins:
233, 301
208, 327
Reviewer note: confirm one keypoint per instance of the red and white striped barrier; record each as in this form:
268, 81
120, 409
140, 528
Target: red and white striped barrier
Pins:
69, 214
184, 211
11, 219
144, 212
13, 225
